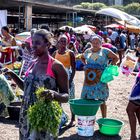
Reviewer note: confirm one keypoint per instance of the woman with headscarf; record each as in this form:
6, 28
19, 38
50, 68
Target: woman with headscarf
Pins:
96, 60
45, 72
67, 58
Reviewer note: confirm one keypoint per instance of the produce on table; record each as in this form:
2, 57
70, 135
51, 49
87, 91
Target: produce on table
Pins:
45, 115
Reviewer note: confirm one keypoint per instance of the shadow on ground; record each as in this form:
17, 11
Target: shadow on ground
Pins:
97, 136
8, 120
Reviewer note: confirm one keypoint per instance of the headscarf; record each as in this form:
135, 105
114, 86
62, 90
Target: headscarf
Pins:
95, 36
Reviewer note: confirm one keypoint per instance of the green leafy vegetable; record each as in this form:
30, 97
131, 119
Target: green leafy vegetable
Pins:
45, 115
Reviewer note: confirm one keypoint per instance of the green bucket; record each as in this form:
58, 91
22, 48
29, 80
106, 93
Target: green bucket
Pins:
83, 107
109, 127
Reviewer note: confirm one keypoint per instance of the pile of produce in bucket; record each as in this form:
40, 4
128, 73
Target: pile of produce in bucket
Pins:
45, 115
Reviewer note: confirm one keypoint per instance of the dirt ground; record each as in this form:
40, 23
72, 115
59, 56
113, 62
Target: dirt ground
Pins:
117, 102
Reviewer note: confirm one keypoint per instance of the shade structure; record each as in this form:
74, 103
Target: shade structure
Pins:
133, 29
120, 15
22, 36
93, 28
64, 27
130, 28
83, 29
134, 21
113, 13
115, 26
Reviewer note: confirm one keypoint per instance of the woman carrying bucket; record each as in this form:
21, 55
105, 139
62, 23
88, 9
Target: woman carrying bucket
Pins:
96, 60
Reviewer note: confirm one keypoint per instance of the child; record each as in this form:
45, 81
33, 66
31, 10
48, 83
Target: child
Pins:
133, 108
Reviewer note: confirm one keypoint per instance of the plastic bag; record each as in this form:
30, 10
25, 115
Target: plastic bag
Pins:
108, 73
128, 64
6, 92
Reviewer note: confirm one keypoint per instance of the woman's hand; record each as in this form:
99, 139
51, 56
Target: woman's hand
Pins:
48, 94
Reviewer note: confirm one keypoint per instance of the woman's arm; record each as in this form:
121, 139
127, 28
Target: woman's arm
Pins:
73, 66
62, 82
113, 57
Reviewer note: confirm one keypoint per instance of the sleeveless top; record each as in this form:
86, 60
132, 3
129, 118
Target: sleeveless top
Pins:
31, 83
7, 43
8, 54
64, 59
96, 62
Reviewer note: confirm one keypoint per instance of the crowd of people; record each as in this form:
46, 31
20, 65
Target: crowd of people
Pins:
50, 59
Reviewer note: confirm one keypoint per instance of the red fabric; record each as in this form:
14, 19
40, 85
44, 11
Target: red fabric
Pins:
68, 36
7, 56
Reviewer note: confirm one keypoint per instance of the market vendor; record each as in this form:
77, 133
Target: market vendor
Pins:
7, 54
46, 72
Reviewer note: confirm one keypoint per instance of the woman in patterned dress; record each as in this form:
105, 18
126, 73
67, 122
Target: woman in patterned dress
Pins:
96, 59
44, 71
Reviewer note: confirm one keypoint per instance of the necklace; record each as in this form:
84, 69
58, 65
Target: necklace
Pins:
94, 56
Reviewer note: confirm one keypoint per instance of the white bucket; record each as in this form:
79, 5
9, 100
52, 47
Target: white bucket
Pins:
86, 125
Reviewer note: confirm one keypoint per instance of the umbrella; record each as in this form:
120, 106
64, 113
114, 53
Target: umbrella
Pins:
120, 15
130, 28
22, 36
134, 21
93, 28
115, 26
64, 27
83, 29
113, 13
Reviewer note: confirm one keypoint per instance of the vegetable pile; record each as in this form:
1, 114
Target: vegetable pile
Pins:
45, 115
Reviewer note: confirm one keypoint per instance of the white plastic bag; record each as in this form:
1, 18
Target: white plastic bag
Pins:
128, 64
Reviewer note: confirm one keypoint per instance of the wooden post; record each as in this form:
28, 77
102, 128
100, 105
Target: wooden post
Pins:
28, 17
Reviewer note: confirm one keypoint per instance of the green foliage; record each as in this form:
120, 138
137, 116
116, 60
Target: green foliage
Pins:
85, 5
45, 115
133, 8
78, 6
97, 6
130, 1
119, 7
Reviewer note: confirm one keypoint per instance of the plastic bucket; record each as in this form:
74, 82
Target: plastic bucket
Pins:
83, 107
86, 125
109, 127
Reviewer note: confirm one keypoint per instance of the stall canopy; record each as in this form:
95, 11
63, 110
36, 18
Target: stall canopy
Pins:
118, 26
130, 28
120, 15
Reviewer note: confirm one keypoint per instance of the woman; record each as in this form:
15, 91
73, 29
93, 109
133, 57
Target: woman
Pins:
44, 71
67, 58
133, 107
8, 55
96, 60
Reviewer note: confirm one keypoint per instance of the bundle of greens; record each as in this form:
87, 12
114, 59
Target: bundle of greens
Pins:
45, 115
